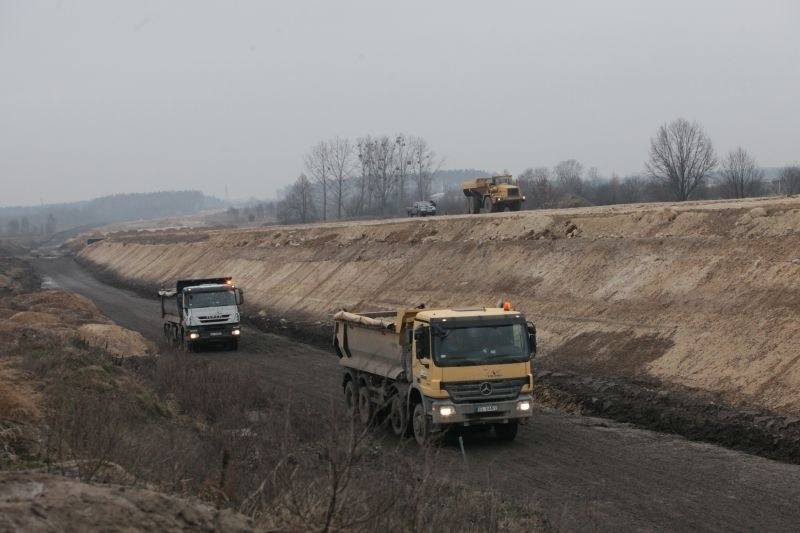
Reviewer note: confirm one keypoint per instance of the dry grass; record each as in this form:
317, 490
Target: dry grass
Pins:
181, 425
216, 434
19, 400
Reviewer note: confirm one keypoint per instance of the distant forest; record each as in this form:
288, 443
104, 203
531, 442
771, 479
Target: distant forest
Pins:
47, 219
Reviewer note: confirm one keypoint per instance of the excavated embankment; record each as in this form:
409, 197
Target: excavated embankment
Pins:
698, 295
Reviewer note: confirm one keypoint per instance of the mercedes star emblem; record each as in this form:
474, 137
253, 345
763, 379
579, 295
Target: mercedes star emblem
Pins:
486, 388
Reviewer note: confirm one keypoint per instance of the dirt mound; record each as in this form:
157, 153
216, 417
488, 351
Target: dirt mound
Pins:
116, 340
67, 306
19, 400
34, 319
39, 502
10, 249
701, 295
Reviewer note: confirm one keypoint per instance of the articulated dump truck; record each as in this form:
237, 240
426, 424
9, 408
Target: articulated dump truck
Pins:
432, 369
495, 194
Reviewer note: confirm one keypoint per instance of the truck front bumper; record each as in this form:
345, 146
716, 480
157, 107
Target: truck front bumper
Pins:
216, 332
466, 414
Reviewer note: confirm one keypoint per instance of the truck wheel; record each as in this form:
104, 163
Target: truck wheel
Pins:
421, 425
506, 432
476, 205
398, 416
234, 346
350, 398
364, 406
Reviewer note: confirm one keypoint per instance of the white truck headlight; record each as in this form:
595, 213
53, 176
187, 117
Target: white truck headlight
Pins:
194, 335
524, 405
447, 410
235, 332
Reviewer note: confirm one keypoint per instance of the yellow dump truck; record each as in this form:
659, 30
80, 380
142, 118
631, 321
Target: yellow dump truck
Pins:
494, 194
431, 369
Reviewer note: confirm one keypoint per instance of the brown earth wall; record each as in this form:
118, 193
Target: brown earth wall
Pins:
700, 295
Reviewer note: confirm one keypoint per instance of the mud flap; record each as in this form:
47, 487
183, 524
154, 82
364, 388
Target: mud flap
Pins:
344, 349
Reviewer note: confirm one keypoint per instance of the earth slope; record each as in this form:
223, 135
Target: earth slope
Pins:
702, 295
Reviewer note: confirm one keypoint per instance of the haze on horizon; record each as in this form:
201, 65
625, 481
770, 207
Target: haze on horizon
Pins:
99, 98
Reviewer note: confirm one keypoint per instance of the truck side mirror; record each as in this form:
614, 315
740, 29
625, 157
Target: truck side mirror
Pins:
239, 296
422, 344
532, 338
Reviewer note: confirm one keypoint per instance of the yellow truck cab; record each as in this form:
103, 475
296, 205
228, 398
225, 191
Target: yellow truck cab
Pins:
431, 369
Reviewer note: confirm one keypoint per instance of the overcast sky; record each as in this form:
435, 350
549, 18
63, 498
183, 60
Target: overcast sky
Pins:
105, 97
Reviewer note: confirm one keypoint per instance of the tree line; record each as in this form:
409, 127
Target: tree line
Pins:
24, 228
682, 165
379, 176
371, 176
46, 219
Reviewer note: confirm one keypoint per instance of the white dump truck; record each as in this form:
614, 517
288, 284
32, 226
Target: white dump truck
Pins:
432, 369
202, 311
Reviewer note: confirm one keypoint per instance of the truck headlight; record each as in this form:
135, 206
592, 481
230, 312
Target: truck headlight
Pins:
235, 331
194, 335
447, 410
524, 405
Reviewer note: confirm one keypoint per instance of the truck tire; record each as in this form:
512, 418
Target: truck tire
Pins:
506, 432
365, 409
234, 345
421, 425
350, 398
476, 205
398, 416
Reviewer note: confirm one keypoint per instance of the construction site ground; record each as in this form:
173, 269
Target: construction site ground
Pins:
586, 473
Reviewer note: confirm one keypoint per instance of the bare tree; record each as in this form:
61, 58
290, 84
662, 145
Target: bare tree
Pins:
403, 164
789, 180
319, 167
631, 190
681, 158
593, 175
741, 175
383, 156
538, 187
13, 226
364, 148
424, 165
568, 175
298, 205
340, 152
50, 225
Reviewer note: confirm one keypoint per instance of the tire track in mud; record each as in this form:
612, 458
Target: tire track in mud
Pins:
584, 473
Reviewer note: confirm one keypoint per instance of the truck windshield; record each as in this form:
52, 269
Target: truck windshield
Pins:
210, 299
481, 345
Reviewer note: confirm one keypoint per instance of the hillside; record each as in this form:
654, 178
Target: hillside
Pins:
701, 295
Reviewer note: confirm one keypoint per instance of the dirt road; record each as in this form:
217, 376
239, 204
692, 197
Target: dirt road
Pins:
587, 473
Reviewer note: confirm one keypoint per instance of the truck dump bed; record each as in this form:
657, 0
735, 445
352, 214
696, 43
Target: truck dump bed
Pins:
374, 342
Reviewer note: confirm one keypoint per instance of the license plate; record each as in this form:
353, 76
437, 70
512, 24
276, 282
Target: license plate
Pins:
216, 333
486, 408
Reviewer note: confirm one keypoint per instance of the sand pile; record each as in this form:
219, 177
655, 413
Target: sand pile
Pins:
116, 340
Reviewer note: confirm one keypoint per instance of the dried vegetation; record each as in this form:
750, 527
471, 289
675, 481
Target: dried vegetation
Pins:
178, 424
